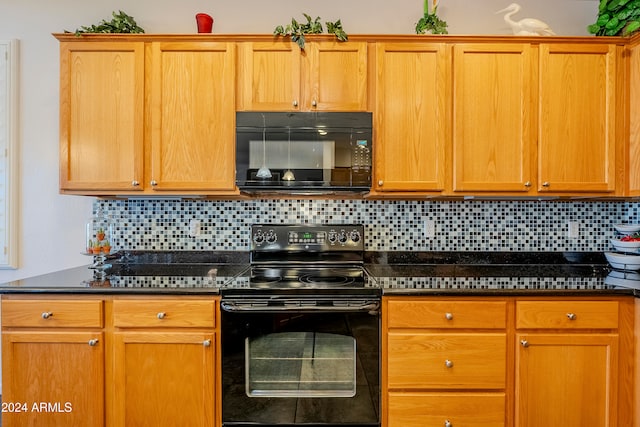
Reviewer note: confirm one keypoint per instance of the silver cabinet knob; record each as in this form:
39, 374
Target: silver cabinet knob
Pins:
154, 182
524, 343
134, 183
206, 343
161, 315
447, 423
527, 184
546, 184
93, 342
46, 314
448, 363
295, 103
314, 103
380, 183
448, 316
571, 316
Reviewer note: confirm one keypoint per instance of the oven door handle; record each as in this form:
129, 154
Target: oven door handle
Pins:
372, 307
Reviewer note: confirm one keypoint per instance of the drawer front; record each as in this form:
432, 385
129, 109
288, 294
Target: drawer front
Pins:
164, 313
469, 361
568, 314
447, 314
446, 409
54, 314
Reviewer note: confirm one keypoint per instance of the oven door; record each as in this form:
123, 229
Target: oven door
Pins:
300, 361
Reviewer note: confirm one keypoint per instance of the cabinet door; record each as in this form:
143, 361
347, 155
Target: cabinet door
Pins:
53, 379
101, 115
164, 379
567, 380
269, 76
492, 117
577, 118
410, 116
337, 76
193, 116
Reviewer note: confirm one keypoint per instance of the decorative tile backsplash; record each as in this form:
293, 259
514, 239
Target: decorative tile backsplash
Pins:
394, 225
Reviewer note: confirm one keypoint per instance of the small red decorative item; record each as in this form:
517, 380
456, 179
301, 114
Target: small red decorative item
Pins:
205, 22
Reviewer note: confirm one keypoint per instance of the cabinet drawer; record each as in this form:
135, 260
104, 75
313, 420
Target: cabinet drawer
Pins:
54, 314
447, 314
436, 409
423, 360
567, 314
164, 313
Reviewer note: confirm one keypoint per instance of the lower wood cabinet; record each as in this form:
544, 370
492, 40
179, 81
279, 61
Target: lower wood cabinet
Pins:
524, 362
570, 370
52, 363
110, 361
164, 362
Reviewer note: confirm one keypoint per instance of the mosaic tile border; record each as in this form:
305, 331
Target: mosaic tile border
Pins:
394, 225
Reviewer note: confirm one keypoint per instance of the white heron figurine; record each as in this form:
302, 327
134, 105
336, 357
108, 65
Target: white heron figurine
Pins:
526, 26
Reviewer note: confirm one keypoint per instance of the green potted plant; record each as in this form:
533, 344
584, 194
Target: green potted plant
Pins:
430, 23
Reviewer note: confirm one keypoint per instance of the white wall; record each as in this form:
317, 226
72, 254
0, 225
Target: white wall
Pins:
51, 234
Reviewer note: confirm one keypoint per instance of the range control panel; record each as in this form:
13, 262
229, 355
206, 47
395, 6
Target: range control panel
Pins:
270, 237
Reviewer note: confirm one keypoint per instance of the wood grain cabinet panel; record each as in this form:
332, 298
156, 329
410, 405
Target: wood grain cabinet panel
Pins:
164, 313
52, 313
492, 117
448, 314
410, 117
424, 409
577, 127
193, 116
165, 349
101, 115
326, 76
567, 314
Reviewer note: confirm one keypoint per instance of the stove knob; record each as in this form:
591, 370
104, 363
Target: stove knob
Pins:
342, 237
258, 238
333, 236
271, 237
355, 236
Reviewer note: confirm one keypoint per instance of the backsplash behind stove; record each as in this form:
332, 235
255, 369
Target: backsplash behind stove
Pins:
397, 225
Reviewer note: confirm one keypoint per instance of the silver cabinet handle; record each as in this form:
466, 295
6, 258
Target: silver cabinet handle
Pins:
524, 343
527, 184
571, 316
154, 182
448, 316
546, 184
161, 315
93, 342
295, 103
314, 103
448, 363
206, 343
46, 314
380, 183
447, 423
134, 183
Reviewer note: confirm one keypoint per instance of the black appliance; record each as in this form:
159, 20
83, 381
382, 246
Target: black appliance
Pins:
301, 336
303, 153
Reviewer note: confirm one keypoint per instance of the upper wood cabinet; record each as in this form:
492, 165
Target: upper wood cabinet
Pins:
325, 76
578, 112
101, 115
492, 117
192, 116
410, 117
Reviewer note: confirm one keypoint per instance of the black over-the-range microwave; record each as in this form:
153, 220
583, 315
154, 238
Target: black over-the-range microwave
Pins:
303, 153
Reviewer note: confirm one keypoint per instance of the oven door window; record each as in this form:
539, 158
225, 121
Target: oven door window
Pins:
300, 364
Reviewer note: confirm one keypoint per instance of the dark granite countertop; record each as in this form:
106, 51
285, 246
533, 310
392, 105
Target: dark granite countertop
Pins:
397, 273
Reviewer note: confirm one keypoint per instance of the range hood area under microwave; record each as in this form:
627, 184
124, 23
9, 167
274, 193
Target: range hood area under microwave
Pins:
303, 153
